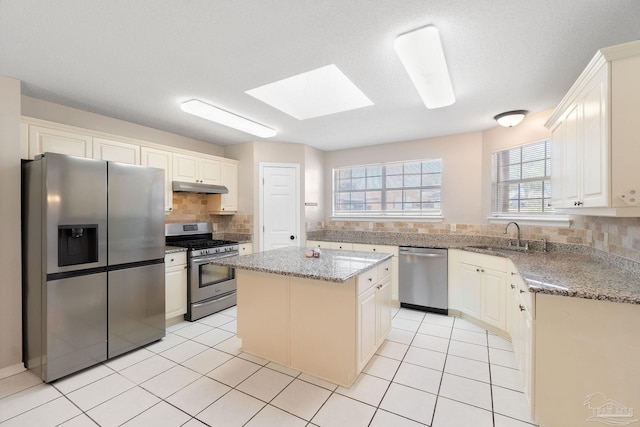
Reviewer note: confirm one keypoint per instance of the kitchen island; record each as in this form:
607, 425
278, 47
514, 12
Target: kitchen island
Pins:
324, 316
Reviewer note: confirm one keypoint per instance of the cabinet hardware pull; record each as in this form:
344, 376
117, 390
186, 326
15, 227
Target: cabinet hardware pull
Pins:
521, 291
172, 260
370, 279
522, 307
513, 274
482, 270
513, 286
478, 270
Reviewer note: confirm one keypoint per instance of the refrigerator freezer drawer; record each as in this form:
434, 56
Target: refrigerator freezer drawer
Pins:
76, 327
136, 307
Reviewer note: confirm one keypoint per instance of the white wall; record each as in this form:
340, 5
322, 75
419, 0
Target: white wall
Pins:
461, 165
11, 273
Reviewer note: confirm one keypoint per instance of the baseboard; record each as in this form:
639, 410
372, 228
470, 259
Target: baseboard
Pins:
11, 370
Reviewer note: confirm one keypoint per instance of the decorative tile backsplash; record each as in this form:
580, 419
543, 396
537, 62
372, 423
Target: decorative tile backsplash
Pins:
618, 236
192, 207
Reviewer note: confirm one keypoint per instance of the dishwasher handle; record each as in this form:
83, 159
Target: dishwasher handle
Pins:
423, 254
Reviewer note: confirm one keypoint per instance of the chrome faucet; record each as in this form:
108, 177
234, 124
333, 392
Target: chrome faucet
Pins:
519, 245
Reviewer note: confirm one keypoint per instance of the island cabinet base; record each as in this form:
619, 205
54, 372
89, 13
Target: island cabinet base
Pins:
587, 369
313, 326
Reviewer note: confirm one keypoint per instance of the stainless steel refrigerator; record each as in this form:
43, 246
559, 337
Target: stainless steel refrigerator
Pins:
93, 261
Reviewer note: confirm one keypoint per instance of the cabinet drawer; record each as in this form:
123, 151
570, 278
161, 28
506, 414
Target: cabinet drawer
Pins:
384, 269
175, 258
487, 261
376, 248
367, 279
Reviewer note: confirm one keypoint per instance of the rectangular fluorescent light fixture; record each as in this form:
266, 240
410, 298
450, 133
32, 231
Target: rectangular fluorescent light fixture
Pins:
215, 114
316, 93
421, 53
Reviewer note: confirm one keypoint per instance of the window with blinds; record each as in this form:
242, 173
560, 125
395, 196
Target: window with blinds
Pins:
388, 189
522, 180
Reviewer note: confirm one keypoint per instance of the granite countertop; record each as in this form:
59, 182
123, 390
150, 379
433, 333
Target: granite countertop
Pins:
332, 266
579, 275
173, 249
568, 270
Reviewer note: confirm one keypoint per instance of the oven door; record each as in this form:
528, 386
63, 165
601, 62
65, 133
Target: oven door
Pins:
208, 280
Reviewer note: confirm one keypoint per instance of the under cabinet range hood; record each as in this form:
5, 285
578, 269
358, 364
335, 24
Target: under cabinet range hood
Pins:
196, 187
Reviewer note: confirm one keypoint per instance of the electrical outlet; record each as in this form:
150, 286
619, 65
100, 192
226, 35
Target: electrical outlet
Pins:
453, 228
370, 225
605, 239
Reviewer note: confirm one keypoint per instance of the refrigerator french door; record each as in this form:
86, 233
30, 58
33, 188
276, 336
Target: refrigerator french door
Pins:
136, 245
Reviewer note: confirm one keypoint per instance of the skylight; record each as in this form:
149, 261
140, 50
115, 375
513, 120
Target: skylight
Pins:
316, 93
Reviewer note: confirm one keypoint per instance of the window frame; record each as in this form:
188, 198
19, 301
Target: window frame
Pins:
551, 218
432, 214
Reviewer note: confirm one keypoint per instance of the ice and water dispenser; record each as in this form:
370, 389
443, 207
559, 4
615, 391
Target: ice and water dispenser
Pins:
77, 244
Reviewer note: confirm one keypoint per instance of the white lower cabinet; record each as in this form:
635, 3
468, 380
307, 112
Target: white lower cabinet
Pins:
326, 329
521, 328
374, 311
478, 287
175, 284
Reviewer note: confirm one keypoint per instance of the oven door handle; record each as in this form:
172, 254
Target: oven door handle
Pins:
207, 260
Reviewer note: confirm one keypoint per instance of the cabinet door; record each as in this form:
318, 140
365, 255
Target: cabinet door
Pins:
116, 151
383, 307
42, 140
470, 289
185, 168
572, 165
209, 171
176, 291
162, 160
229, 178
494, 298
367, 338
557, 165
595, 155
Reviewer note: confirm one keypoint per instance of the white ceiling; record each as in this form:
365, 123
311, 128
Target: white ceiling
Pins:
137, 60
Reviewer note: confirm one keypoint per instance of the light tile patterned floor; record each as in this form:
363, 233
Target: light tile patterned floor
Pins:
433, 370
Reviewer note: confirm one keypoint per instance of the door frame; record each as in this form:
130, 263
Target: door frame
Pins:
261, 167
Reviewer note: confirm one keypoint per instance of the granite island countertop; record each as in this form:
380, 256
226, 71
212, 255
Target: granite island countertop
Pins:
332, 265
568, 270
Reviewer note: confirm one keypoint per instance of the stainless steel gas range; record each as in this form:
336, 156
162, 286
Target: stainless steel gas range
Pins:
210, 288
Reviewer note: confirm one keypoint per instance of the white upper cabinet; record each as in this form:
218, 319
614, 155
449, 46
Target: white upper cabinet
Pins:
116, 151
195, 169
160, 159
594, 133
52, 140
226, 203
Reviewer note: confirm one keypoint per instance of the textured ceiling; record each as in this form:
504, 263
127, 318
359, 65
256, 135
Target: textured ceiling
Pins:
137, 60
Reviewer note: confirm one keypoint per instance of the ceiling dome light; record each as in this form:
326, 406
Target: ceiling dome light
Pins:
510, 118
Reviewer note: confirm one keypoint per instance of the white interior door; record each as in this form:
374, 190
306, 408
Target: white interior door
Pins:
280, 213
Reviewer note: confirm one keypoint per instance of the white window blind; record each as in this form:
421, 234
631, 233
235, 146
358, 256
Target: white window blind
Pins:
522, 180
388, 189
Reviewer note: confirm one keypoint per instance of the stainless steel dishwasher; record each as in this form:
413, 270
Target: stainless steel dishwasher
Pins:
423, 279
